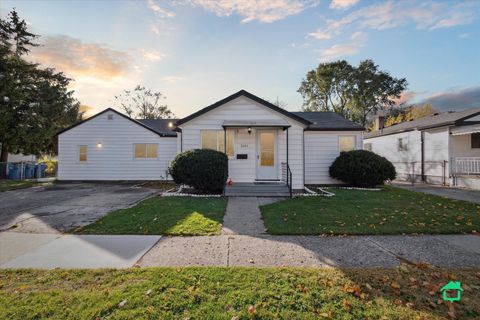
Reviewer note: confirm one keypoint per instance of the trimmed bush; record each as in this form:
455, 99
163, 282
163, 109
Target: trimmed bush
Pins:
362, 168
202, 169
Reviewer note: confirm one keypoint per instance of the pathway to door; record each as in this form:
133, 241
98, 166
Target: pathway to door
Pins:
243, 217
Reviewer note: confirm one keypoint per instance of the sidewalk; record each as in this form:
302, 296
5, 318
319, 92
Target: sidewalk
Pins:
447, 192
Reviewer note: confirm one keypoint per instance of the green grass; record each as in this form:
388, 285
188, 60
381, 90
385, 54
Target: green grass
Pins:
225, 293
6, 185
164, 215
390, 211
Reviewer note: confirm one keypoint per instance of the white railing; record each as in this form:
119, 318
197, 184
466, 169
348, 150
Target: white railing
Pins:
465, 165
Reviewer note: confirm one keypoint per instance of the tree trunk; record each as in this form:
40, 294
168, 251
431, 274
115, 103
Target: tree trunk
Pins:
4, 153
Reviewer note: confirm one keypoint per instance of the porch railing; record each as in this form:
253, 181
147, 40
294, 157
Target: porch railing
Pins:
287, 177
465, 165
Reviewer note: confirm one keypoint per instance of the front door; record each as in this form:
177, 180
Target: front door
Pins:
267, 155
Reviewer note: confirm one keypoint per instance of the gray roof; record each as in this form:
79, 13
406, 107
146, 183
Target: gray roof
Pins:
324, 121
433, 121
160, 126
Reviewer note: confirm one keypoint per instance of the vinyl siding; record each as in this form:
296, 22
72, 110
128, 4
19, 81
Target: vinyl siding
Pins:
115, 159
321, 149
244, 170
436, 143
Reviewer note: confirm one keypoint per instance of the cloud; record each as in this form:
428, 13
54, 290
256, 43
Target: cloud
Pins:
159, 11
76, 58
357, 40
455, 99
405, 97
87, 111
342, 4
152, 55
266, 11
172, 79
430, 15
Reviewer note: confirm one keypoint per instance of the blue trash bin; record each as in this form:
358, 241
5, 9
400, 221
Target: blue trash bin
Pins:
43, 169
29, 171
14, 171
39, 171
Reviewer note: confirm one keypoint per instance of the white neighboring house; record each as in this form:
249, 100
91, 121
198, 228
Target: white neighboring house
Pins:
260, 139
443, 148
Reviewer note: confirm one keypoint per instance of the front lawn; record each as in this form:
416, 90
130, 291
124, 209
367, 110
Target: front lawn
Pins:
6, 185
236, 293
164, 215
390, 211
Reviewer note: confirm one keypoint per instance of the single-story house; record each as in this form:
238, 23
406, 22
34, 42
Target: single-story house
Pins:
443, 148
260, 139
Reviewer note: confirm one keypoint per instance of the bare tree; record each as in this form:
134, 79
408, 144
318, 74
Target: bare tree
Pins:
143, 103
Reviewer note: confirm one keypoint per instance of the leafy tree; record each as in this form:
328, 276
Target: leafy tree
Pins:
35, 103
413, 112
353, 92
143, 103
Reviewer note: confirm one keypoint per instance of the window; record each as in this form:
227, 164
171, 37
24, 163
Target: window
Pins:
82, 153
475, 140
346, 143
367, 146
215, 140
146, 150
402, 144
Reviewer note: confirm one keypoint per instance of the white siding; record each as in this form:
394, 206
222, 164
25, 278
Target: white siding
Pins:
460, 146
436, 145
321, 149
242, 108
387, 146
115, 159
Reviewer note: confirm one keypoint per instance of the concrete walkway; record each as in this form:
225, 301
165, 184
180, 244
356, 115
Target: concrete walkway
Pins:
448, 192
453, 251
243, 217
48, 251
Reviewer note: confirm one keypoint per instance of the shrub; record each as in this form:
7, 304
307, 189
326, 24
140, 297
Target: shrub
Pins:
362, 168
202, 169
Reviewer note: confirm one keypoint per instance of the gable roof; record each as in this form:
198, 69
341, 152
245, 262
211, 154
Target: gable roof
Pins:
155, 129
250, 96
328, 121
432, 121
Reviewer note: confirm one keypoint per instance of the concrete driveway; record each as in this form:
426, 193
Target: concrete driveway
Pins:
447, 192
64, 206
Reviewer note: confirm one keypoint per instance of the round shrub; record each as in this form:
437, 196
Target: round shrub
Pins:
203, 169
362, 168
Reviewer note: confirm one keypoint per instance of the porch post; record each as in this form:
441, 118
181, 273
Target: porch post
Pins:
225, 140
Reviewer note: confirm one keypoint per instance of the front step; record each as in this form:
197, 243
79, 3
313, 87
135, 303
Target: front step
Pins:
257, 190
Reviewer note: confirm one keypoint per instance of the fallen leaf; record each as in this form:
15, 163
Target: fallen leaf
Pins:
122, 303
252, 309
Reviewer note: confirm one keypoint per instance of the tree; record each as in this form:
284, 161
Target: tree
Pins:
413, 112
328, 88
143, 103
35, 103
374, 90
353, 92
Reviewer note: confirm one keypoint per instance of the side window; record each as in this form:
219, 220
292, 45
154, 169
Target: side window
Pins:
475, 140
82, 153
346, 143
146, 150
402, 144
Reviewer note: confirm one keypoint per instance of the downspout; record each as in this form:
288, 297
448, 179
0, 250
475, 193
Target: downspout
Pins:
287, 146
181, 141
303, 146
422, 146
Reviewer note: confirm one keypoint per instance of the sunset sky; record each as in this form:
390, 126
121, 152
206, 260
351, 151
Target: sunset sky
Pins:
198, 51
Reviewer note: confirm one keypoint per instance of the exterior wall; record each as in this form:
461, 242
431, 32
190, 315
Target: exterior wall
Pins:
244, 170
436, 142
460, 146
115, 159
387, 146
321, 149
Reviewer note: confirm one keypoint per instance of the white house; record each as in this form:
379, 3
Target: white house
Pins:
261, 140
443, 148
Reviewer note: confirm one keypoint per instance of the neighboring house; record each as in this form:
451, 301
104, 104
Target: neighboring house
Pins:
18, 157
443, 148
260, 139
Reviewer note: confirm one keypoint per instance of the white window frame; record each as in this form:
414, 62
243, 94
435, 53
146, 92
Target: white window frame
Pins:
348, 136
78, 153
218, 140
146, 158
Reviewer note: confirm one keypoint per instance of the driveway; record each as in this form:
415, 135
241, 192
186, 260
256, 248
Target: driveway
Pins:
448, 192
64, 206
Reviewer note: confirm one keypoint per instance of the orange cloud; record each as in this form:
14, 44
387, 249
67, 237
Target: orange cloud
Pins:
87, 111
77, 59
404, 97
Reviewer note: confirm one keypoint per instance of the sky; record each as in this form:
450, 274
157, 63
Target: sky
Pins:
196, 52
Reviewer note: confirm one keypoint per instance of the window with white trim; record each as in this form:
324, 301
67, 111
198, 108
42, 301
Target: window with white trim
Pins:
82, 153
346, 143
215, 140
145, 150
